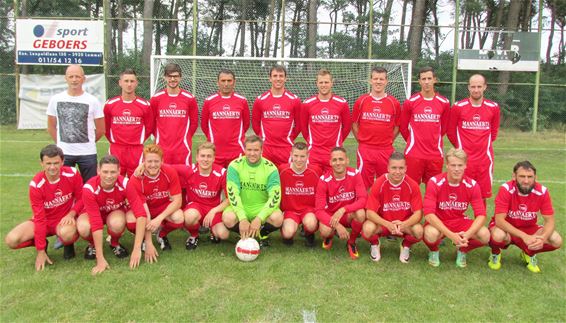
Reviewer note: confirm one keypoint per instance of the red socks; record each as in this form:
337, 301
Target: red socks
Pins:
168, 226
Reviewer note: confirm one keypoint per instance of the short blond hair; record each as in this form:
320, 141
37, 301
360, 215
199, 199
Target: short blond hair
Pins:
152, 149
206, 145
457, 153
324, 72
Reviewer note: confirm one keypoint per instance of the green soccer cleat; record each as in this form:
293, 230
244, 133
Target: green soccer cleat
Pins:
434, 258
494, 261
532, 262
461, 259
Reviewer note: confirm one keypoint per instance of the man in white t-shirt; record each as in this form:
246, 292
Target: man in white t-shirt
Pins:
75, 120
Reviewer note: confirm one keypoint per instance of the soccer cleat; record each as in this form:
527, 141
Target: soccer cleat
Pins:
163, 243
119, 251
288, 242
327, 243
309, 240
58, 244
532, 263
494, 261
203, 230
69, 252
90, 253
404, 254
375, 252
213, 239
391, 238
264, 242
434, 258
191, 243
143, 246
461, 259
353, 251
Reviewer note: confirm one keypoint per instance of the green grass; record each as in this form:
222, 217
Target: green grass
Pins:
210, 284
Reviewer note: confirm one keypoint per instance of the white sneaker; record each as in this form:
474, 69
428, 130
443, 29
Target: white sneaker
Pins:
375, 252
404, 254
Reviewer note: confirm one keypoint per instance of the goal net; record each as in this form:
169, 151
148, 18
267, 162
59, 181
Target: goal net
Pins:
351, 76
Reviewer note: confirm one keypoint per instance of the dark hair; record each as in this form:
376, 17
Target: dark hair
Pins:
172, 68
342, 149
278, 68
128, 71
109, 159
379, 70
51, 151
525, 164
424, 70
226, 71
396, 155
300, 146
253, 138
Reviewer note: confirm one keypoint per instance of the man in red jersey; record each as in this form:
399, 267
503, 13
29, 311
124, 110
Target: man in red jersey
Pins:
516, 213
160, 192
176, 118
225, 119
55, 198
447, 197
424, 119
340, 201
276, 117
298, 184
129, 122
473, 127
375, 124
394, 207
204, 182
107, 198
325, 121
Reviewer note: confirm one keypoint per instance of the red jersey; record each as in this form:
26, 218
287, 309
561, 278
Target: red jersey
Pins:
128, 122
99, 202
376, 119
449, 202
473, 129
423, 123
394, 202
157, 191
325, 124
522, 210
225, 121
50, 202
176, 119
202, 189
348, 192
276, 118
298, 188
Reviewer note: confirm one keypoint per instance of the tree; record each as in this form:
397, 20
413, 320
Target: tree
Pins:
385, 25
416, 31
147, 32
312, 28
512, 24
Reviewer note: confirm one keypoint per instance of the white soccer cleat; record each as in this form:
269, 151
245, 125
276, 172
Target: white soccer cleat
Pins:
375, 252
404, 254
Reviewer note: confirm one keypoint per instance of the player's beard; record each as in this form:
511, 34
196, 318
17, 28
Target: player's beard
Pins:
525, 190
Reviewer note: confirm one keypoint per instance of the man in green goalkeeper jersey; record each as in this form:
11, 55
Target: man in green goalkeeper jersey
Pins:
254, 191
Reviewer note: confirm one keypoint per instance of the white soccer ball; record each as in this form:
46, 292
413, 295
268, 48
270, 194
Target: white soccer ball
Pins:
247, 249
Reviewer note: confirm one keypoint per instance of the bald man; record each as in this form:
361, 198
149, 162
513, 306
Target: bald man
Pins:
75, 121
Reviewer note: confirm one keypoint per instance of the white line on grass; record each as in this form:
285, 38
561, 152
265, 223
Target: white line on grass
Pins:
309, 316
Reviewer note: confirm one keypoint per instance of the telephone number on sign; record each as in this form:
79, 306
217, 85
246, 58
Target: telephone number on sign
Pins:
59, 60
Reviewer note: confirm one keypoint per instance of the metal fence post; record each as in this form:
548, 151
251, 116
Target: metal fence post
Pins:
455, 61
537, 76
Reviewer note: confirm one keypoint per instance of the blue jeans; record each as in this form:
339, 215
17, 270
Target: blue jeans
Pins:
86, 163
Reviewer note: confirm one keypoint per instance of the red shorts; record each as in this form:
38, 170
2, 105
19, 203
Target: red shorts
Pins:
385, 232
530, 230
482, 173
456, 225
226, 158
421, 170
324, 218
296, 216
50, 228
129, 156
179, 156
277, 155
203, 211
372, 162
321, 158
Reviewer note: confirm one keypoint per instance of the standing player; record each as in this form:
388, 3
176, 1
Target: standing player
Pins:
516, 213
424, 119
473, 127
340, 200
204, 183
107, 198
325, 121
160, 192
298, 184
276, 117
129, 122
254, 192
394, 207
55, 198
375, 124
176, 118
447, 197
225, 119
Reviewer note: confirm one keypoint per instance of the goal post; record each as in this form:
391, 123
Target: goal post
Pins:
351, 76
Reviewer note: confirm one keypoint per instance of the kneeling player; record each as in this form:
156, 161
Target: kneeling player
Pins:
446, 199
340, 200
55, 198
394, 207
515, 220
159, 190
298, 184
107, 199
204, 183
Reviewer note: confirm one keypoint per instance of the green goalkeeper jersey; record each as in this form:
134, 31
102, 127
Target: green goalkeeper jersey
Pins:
253, 190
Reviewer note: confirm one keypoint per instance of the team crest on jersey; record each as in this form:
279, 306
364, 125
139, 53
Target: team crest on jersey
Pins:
452, 197
376, 110
226, 107
476, 117
396, 198
341, 189
324, 111
523, 207
127, 112
276, 107
428, 110
299, 184
202, 186
110, 201
58, 193
172, 105
155, 189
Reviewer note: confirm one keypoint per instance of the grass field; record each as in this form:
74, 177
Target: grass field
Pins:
285, 283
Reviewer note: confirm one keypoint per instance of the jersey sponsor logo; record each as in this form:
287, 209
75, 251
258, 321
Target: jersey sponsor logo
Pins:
376, 116
476, 123
453, 203
172, 111
522, 214
254, 186
299, 189
427, 116
59, 200
126, 118
342, 197
172, 105
202, 186
276, 113
111, 205
396, 198
204, 193
226, 113
157, 194
396, 206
